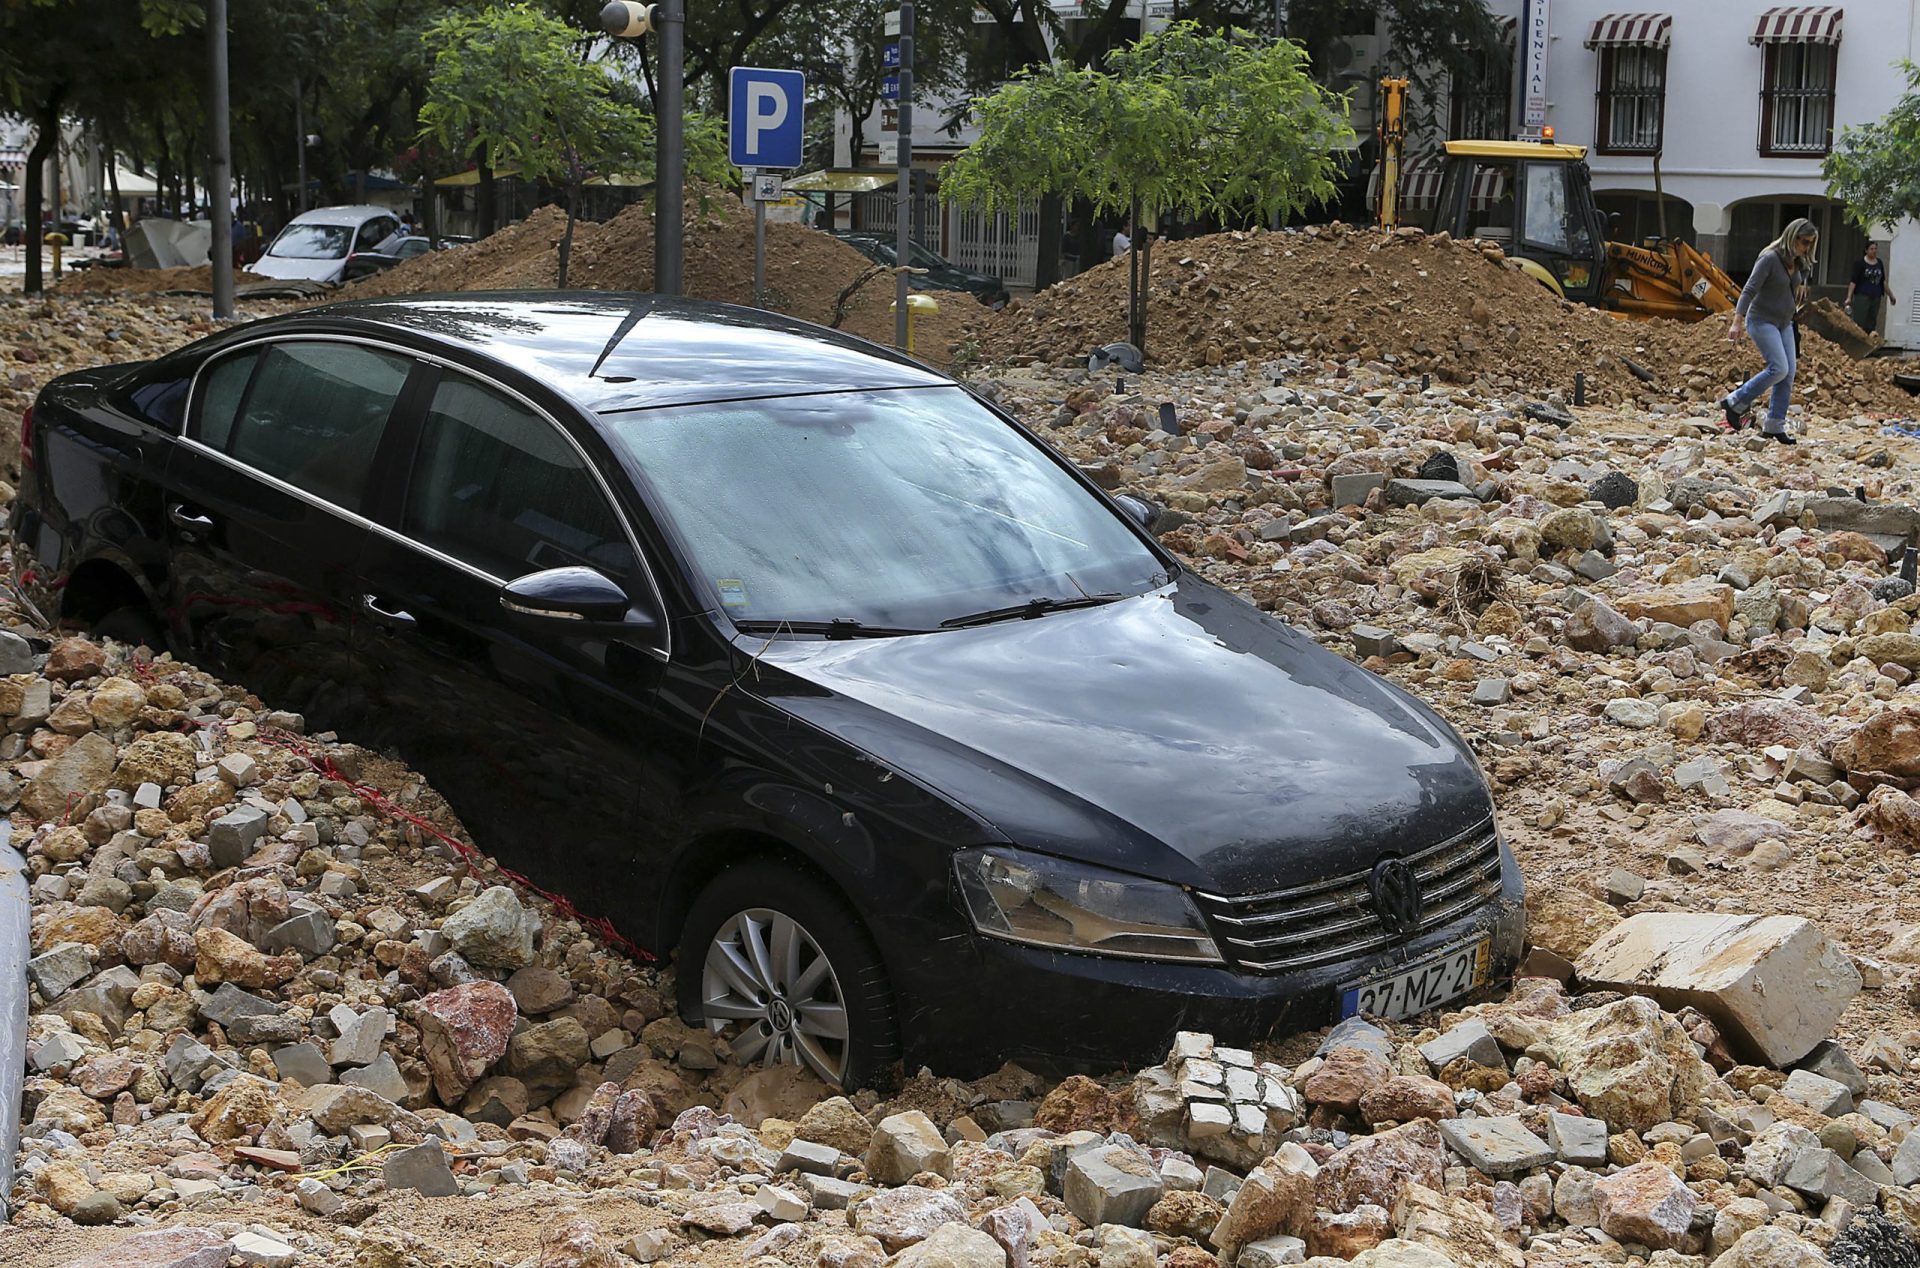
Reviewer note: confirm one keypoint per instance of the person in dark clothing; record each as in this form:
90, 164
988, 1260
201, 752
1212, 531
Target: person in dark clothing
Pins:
1768, 304
1866, 288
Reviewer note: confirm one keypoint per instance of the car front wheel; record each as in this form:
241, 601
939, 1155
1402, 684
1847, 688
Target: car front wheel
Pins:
778, 962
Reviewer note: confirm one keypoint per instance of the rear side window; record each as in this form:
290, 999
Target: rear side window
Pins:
497, 487
221, 390
315, 413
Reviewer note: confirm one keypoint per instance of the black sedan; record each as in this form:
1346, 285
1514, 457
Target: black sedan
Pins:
399, 251
933, 272
788, 653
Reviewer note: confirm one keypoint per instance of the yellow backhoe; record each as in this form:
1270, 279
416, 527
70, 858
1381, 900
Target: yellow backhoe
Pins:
1535, 198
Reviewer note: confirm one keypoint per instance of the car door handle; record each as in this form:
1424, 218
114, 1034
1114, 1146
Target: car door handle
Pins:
391, 617
189, 522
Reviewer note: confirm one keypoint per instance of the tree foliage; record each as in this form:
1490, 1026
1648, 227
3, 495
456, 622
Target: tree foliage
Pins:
1185, 121
1875, 168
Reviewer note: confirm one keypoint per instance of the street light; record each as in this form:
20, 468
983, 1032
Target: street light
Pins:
624, 19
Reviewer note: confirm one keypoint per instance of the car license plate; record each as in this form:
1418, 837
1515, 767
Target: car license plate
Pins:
1422, 985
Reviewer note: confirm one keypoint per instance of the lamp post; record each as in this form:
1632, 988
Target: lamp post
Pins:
220, 164
628, 20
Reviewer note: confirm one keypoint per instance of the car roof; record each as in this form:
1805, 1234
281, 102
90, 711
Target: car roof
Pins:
611, 351
342, 215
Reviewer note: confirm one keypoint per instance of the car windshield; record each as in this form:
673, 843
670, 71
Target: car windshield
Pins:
312, 242
923, 258
900, 509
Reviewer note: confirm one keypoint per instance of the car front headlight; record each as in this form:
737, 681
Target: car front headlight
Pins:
1049, 902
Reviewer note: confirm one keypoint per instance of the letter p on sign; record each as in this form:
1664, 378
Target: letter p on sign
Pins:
766, 117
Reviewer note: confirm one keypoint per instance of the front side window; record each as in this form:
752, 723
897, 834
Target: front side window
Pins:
374, 232
313, 415
1796, 99
312, 242
1549, 220
899, 508
497, 487
1633, 99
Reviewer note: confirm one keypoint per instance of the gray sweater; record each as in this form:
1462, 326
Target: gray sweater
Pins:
1769, 293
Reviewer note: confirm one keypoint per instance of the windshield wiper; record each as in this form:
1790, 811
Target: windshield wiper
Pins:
839, 627
1028, 610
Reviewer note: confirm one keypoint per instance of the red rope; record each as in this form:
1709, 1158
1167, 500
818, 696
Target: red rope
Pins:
600, 925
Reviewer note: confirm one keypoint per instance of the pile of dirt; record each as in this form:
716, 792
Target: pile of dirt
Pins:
1457, 310
127, 281
806, 270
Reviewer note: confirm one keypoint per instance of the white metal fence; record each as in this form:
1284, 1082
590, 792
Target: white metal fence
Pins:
1005, 243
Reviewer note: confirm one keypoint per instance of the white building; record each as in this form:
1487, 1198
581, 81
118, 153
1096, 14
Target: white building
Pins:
1737, 102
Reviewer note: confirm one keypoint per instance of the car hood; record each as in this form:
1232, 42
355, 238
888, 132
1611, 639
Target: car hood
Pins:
1181, 734
288, 269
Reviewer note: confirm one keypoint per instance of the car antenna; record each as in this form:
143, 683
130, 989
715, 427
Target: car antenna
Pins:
633, 318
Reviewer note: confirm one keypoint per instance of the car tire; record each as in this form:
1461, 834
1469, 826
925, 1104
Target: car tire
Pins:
133, 625
731, 945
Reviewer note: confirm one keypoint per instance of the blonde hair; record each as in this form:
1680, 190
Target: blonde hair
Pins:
1796, 230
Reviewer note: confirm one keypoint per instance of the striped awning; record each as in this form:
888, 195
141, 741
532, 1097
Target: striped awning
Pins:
12, 158
1799, 24
1507, 27
1631, 30
1420, 184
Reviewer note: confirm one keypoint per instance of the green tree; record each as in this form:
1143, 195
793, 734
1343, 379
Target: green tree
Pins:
1183, 122
511, 85
1875, 168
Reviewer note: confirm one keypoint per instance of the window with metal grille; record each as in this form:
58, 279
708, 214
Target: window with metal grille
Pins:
1633, 99
1479, 104
1796, 99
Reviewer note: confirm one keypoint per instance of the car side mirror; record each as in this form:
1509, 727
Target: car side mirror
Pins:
1143, 512
578, 595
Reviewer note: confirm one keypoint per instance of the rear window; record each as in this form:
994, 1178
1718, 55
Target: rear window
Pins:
314, 414
221, 389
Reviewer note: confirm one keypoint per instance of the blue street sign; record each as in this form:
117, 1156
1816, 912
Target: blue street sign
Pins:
890, 55
889, 87
766, 119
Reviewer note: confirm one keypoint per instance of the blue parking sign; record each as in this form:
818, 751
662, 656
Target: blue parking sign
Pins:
765, 123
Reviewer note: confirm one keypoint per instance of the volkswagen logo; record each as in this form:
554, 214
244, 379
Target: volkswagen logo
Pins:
1396, 895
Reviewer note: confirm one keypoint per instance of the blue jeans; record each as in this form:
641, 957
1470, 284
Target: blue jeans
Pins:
1776, 345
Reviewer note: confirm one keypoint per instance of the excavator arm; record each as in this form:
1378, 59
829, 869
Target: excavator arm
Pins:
1668, 280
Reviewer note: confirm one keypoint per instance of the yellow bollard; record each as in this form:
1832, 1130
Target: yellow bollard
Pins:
916, 305
55, 240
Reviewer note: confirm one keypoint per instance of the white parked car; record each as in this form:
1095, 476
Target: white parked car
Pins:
315, 244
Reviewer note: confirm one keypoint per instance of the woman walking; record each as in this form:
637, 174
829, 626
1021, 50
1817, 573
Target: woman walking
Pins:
1765, 314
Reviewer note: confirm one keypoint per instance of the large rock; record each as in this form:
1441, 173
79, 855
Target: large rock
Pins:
1373, 1169
164, 758
219, 956
1277, 1198
1887, 745
1645, 1203
85, 768
1758, 723
1344, 1077
903, 1146
493, 930
160, 1248
544, 1057
954, 1246
464, 1030
1681, 605
1774, 985
236, 1111
1566, 921
900, 1217
1597, 627
1113, 1184
1455, 1227
1629, 1063
1772, 1247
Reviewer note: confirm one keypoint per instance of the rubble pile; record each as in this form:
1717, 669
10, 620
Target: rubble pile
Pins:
194, 280
280, 1020
1425, 303
806, 270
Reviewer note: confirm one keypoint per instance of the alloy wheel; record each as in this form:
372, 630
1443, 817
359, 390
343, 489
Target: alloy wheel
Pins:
767, 974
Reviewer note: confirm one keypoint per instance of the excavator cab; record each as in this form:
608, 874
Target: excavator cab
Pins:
1534, 199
